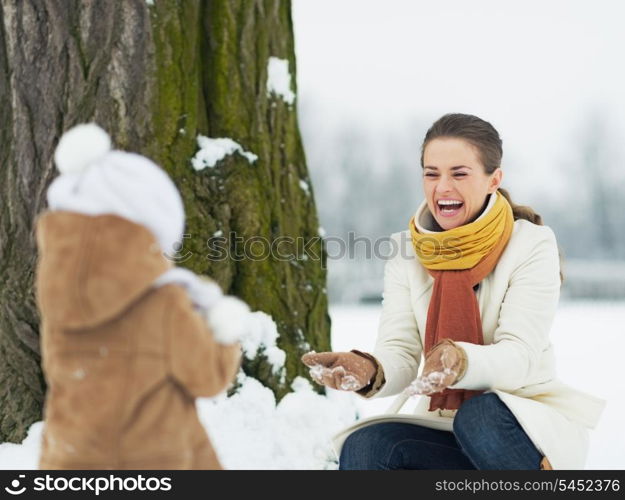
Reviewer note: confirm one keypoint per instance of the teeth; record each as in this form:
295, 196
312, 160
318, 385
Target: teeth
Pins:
449, 202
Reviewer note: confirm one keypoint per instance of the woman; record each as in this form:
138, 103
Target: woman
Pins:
473, 288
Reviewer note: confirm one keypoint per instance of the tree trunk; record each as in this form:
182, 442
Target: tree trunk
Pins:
155, 75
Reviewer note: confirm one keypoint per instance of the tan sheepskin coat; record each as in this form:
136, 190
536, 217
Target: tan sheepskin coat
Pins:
123, 361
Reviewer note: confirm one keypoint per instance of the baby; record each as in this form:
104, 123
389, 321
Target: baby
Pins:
128, 340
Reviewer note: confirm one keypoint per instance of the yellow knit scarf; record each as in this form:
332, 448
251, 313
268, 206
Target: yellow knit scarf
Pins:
458, 259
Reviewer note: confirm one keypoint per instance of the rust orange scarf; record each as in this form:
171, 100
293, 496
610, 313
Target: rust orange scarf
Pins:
458, 259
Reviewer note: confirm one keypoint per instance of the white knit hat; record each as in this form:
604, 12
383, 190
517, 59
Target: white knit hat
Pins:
95, 180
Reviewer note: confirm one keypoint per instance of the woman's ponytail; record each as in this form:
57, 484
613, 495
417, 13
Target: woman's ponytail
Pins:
522, 211
527, 213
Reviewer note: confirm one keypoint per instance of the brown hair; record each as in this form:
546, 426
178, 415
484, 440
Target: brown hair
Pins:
485, 139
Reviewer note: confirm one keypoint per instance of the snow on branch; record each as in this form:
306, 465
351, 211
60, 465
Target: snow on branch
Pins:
263, 333
279, 79
213, 150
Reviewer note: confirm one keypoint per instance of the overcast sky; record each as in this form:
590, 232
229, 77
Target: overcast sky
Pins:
533, 69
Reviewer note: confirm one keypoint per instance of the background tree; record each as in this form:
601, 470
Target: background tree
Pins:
155, 74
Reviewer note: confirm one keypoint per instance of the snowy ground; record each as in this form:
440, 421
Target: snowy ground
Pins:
250, 432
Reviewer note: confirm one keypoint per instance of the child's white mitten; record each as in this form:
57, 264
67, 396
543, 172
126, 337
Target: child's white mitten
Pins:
228, 319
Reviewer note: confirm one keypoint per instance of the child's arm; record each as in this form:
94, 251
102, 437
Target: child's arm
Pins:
197, 361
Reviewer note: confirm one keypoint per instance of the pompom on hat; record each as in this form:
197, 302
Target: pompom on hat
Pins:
80, 146
97, 180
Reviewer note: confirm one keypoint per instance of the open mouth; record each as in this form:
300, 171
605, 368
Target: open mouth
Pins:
449, 208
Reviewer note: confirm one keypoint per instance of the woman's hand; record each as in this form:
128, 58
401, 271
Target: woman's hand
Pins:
445, 364
345, 371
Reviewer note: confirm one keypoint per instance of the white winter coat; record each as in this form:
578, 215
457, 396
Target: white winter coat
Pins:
517, 303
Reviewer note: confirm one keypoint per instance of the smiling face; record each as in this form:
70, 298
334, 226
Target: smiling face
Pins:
454, 181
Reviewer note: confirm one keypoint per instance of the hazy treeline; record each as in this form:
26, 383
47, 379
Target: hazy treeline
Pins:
368, 182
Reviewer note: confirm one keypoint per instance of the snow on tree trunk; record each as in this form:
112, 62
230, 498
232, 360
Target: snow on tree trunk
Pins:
156, 75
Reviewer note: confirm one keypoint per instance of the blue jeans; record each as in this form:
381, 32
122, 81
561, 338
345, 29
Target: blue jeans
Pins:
486, 435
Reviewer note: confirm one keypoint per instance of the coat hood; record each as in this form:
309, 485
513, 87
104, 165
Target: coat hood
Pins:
91, 268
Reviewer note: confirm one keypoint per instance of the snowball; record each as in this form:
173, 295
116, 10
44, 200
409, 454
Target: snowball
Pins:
228, 320
432, 382
81, 146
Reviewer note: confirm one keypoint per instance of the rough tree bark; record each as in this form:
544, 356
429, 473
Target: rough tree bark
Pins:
155, 75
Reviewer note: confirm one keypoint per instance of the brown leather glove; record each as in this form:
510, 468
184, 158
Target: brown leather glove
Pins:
445, 364
344, 371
